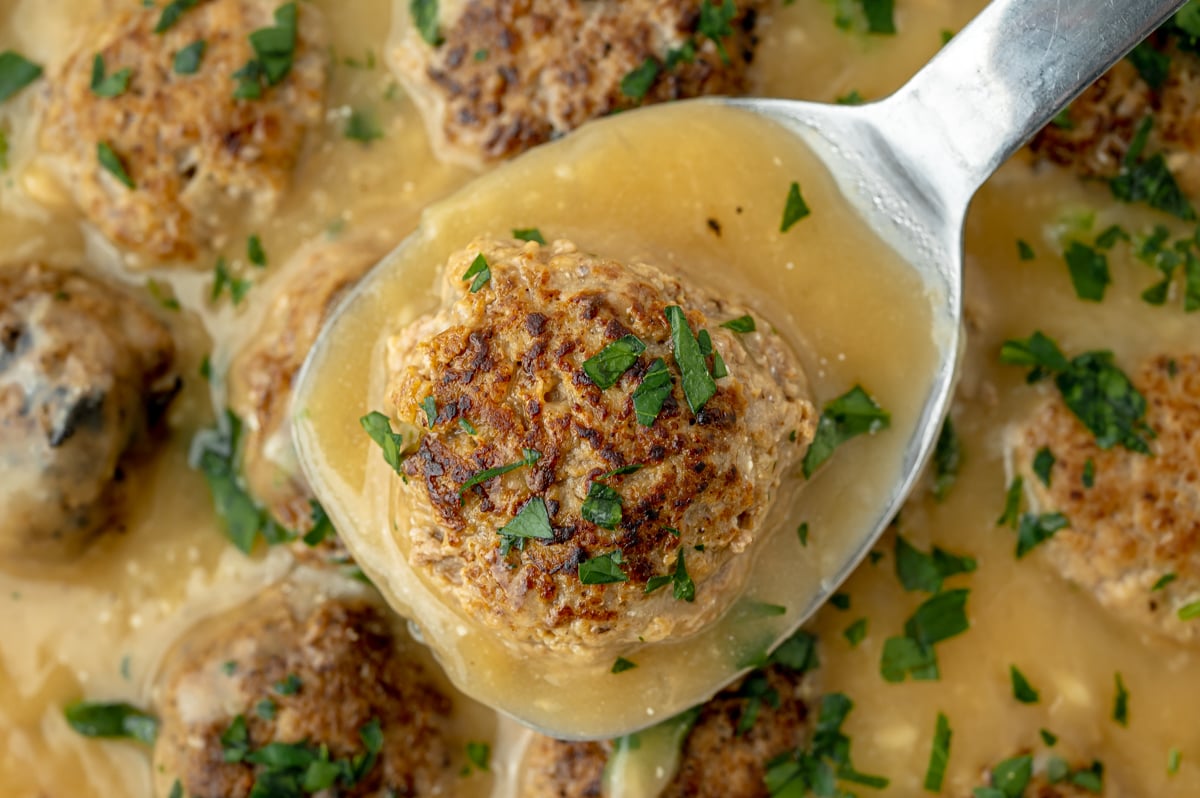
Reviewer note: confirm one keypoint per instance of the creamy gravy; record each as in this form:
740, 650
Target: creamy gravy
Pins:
66, 635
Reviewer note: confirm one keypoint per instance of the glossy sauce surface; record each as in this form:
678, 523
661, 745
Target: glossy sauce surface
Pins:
66, 634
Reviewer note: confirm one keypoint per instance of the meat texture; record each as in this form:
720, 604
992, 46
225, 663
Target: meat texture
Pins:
193, 152
497, 377
262, 375
724, 755
85, 375
507, 75
1140, 520
296, 671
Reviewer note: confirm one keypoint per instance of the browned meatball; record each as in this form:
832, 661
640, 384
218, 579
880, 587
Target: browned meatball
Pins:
309, 669
193, 152
261, 377
723, 755
85, 373
1095, 133
511, 74
497, 377
1140, 520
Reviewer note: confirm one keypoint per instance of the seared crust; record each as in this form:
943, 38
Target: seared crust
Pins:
85, 373
193, 152
1101, 123
512, 74
351, 669
716, 761
261, 377
508, 360
1141, 519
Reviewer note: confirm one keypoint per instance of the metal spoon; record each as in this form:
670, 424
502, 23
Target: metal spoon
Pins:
911, 163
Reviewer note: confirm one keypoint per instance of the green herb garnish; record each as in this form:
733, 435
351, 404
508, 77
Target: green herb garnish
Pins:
532, 521
16, 72
622, 665
604, 569
254, 251
1022, 690
1037, 529
939, 755
652, 392
637, 81
880, 16
1012, 504
684, 587
947, 459
698, 385
290, 685
480, 270
425, 18
607, 366
362, 127
1120, 701
794, 208
528, 234
742, 324
113, 85
855, 632
529, 457
1043, 462
1089, 271
602, 506
187, 60
852, 414
917, 570
112, 721
112, 163
379, 428
714, 24
171, 13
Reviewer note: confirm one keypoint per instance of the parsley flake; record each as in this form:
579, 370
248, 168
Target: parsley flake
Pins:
254, 251
362, 127
112, 721
684, 588
187, 60
528, 234
429, 405
602, 506
113, 85
16, 72
425, 18
939, 755
947, 459
604, 569
528, 458
880, 16
112, 163
637, 81
607, 366
1089, 271
532, 521
1022, 690
290, 685
852, 414
714, 24
1150, 180
479, 755
1012, 504
917, 570
651, 394
1037, 529
622, 665
480, 270
856, 632
742, 324
171, 13
379, 427
794, 208
1189, 612
1043, 462
698, 384
1120, 701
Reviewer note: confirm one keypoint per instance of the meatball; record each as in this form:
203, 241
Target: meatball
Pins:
723, 755
1094, 135
508, 75
85, 374
497, 379
1140, 519
307, 669
192, 152
261, 377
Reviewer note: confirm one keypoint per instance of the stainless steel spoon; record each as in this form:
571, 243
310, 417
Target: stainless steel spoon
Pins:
911, 163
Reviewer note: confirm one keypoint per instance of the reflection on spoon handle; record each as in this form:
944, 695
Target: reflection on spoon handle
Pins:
1005, 76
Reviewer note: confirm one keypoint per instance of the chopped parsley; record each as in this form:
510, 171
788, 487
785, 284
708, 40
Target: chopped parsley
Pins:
637, 81
1048, 737
714, 24
425, 18
480, 270
851, 98
1037, 529
1149, 180
187, 60
479, 755
116, 720
467, 426
379, 428
362, 127
289, 685
528, 234
162, 294
295, 769
1163, 581
1088, 477
112, 163
1174, 760
798, 653
917, 570
856, 632
794, 208
1089, 271
827, 760
1152, 64
266, 709
1092, 387
939, 755
840, 600
652, 392
113, 85
1023, 691
684, 588
16, 72
1009, 778
604, 569
321, 528
880, 16
429, 405
947, 459
242, 519
529, 457
274, 50
938, 618
254, 251
1111, 235
224, 279
1012, 504
852, 414
171, 13
602, 506
742, 324
698, 384
1120, 701
1043, 462
802, 533
532, 521
622, 665
606, 367
1189, 612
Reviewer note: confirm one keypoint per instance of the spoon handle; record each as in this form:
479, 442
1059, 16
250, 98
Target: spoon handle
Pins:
1002, 78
